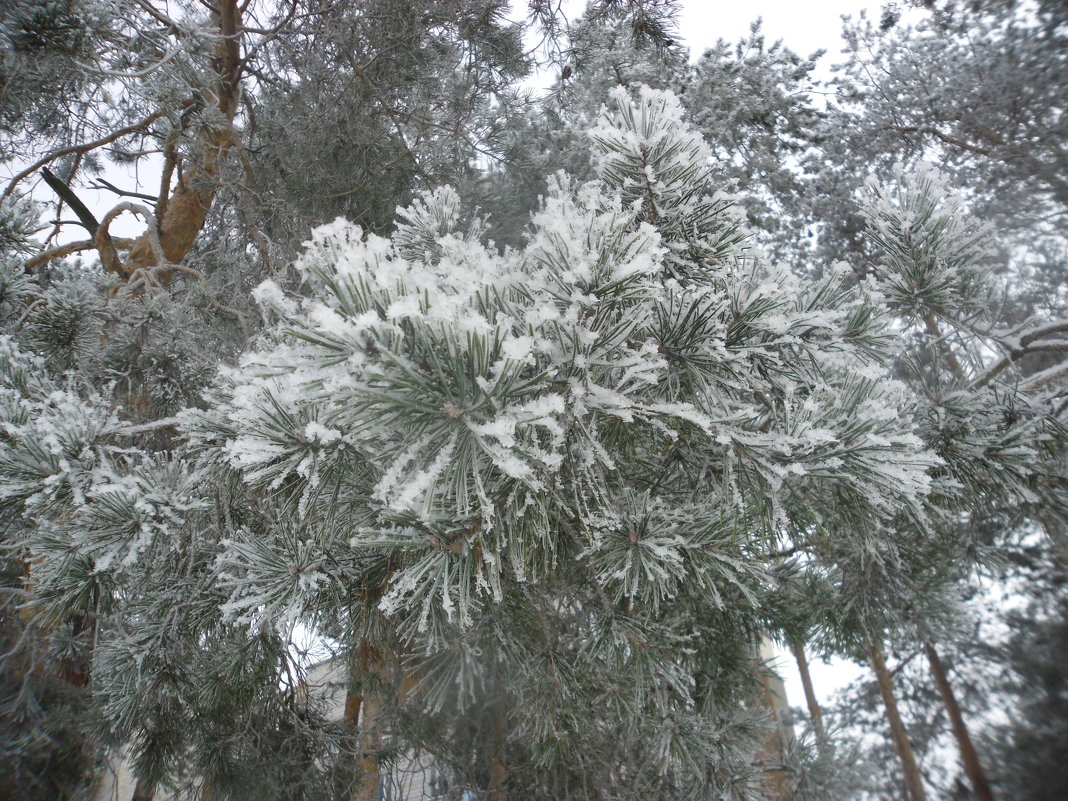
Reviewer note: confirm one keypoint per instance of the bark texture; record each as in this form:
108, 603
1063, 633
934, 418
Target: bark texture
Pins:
814, 711
363, 718
498, 761
181, 213
777, 783
913, 779
968, 754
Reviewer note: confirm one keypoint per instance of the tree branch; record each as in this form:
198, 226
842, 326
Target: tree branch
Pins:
947, 352
1030, 342
100, 183
69, 248
108, 256
88, 221
941, 136
83, 148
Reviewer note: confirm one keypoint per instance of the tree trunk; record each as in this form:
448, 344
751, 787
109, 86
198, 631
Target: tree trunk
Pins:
498, 763
913, 779
773, 695
363, 712
368, 765
814, 711
968, 755
181, 213
142, 791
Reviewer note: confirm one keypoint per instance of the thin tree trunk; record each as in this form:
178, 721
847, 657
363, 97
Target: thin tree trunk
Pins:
913, 779
142, 791
363, 721
773, 694
968, 755
814, 711
498, 765
368, 765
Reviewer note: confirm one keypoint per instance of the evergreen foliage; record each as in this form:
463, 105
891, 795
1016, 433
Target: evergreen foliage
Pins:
601, 433
534, 436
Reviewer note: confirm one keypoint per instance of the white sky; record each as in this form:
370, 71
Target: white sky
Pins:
804, 27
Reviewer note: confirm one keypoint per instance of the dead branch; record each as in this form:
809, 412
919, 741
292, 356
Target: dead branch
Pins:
100, 183
66, 194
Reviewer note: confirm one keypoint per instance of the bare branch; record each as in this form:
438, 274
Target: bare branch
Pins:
155, 425
100, 183
83, 148
152, 228
69, 248
1031, 342
86, 217
108, 257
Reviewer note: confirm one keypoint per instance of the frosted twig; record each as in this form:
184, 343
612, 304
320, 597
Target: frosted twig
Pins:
135, 74
144, 428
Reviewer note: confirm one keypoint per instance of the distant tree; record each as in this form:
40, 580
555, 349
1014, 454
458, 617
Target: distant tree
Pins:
752, 102
1033, 745
976, 87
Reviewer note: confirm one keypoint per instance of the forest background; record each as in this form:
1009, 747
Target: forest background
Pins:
545, 457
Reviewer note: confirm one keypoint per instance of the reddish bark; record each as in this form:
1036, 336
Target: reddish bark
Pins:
913, 779
968, 754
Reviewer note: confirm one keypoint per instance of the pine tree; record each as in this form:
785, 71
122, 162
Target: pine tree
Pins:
994, 428
556, 473
545, 501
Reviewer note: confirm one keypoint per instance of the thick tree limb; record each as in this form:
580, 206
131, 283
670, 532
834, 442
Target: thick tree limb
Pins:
108, 256
68, 249
86, 217
182, 216
170, 160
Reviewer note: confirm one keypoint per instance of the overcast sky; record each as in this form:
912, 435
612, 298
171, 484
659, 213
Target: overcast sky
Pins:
803, 27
